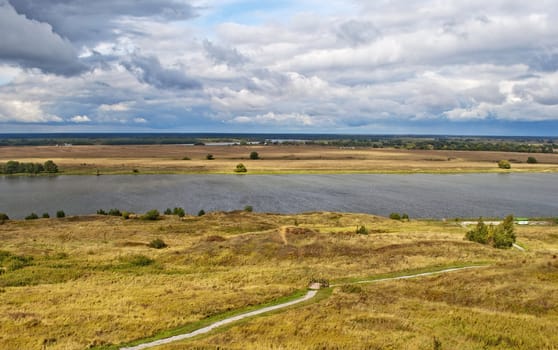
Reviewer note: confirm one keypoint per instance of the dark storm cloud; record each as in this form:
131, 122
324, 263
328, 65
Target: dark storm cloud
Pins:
32, 44
149, 70
91, 21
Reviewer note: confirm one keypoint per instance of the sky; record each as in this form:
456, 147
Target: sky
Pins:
471, 67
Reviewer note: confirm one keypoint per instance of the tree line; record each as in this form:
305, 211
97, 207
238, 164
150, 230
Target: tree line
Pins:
15, 167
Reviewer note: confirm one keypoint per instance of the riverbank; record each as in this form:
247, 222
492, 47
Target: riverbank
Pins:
273, 159
228, 261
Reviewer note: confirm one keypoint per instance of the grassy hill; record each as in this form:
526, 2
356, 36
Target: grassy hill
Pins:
94, 282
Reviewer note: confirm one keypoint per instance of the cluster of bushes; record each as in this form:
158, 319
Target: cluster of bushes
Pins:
499, 236
33, 216
397, 216
15, 167
176, 211
111, 212
240, 168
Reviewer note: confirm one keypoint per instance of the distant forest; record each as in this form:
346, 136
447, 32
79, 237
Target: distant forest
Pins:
411, 142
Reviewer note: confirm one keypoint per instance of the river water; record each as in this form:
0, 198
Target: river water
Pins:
419, 195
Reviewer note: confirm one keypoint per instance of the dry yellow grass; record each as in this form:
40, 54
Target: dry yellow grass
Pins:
275, 159
84, 286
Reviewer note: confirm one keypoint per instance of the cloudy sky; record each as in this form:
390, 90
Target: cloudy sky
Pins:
355, 66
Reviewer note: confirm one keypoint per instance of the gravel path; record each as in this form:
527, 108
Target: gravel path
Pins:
308, 296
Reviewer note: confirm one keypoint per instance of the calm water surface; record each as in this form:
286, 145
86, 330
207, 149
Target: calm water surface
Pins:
419, 195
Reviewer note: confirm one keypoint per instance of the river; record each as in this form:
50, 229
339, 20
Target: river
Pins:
419, 195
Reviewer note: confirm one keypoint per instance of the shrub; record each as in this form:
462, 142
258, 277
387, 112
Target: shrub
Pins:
249, 208
31, 216
50, 167
395, 216
405, 216
125, 215
186, 158
532, 160
201, 212
209, 156
114, 212
501, 236
101, 212
135, 171
240, 168
151, 215
504, 164
179, 212
254, 155
168, 211
362, 230
3, 218
157, 244
60, 214
46, 216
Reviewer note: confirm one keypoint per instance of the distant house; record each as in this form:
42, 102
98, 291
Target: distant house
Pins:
522, 221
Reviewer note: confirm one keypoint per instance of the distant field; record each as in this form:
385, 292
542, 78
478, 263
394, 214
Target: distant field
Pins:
275, 159
93, 282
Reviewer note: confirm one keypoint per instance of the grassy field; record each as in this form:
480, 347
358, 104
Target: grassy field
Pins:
93, 282
276, 159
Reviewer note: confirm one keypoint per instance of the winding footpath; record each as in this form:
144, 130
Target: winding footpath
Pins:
309, 295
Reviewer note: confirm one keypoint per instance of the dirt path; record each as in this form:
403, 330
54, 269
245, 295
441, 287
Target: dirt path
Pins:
309, 295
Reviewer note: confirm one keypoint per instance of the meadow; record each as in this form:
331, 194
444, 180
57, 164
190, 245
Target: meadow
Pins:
275, 159
94, 282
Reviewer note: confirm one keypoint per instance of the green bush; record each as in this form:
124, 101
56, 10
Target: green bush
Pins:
186, 158
209, 156
532, 160
151, 215
114, 212
157, 244
46, 216
201, 212
179, 212
254, 155
168, 211
504, 164
395, 216
101, 212
31, 216
60, 214
125, 215
405, 216
240, 168
249, 208
500, 236
362, 230
50, 167
3, 218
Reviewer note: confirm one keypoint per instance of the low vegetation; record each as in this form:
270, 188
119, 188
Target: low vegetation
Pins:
240, 168
222, 262
504, 164
15, 167
499, 236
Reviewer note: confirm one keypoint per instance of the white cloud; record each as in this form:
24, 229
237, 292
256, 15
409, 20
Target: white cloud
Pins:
80, 119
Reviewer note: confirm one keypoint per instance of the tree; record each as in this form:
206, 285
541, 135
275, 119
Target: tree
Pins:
50, 167
532, 160
480, 234
249, 208
31, 216
3, 218
504, 164
168, 211
209, 156
240, 168
201, 212
254, 155
46, 216
179, 212
60, 214
504, 234
395, 216
151, 215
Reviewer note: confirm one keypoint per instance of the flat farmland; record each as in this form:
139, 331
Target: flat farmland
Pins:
275, 159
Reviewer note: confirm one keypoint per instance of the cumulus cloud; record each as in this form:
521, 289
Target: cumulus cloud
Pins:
80, 119
219, 54
25, 112
33, 44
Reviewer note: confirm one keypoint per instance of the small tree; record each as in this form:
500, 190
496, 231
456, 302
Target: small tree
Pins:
46, 216
248, 208
254, 155
395, 216
31, 216
60, 214
101, 212
532, 160
479, 234
114, 212
179, 212
50, 167
504, 164
240, 168
3, 218
151, 215
168, 211
209, 156
362, 230
201, 212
